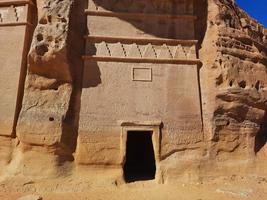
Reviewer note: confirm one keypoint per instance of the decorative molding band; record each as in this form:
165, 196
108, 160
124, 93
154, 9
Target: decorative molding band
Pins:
139, 15
130, 40
16, 24
137, 50
143, 60
15, 2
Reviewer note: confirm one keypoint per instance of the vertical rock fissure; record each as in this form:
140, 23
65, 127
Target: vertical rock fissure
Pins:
200, 10
76, 45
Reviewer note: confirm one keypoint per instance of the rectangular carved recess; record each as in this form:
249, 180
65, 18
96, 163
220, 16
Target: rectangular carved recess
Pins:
142, 74
14, 13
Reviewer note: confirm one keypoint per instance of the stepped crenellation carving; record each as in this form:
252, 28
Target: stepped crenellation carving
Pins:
14, 12
140, 48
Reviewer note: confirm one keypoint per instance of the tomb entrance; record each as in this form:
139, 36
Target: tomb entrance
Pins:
140, 157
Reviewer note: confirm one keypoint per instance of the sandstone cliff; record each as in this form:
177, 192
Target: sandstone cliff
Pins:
233, 79
43, 125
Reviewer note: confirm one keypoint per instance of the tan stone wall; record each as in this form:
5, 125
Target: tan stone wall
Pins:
15, 31
192, 72
16, 26
146, 71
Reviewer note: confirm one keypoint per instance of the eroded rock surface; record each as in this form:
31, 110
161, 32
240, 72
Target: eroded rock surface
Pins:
233, 86
190, 73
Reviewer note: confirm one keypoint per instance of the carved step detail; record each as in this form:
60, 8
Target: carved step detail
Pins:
179, 52
16, 14
149, 52
116, 50
13, 15
191, 53
142, 48
165, 52
102, 49
127, 48
21, 13
92, 5
134, 51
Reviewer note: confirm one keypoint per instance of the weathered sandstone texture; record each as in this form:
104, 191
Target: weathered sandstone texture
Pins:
78, 79
233, 85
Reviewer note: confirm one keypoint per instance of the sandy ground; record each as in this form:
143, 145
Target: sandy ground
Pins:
231, 188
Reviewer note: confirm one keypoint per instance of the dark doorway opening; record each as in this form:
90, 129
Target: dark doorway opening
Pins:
261, 137
140, 158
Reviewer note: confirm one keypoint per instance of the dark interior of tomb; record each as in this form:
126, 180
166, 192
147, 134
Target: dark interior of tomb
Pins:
140, 158
261, 137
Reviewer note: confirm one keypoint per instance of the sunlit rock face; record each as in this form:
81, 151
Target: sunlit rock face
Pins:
79, 79
236, 81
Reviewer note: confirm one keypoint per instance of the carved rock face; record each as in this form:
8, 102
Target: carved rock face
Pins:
236, 80
197, 84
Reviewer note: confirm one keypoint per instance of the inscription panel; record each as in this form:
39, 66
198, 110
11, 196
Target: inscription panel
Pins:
142, 74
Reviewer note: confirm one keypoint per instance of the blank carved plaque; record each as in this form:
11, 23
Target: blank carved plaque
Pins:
142, 74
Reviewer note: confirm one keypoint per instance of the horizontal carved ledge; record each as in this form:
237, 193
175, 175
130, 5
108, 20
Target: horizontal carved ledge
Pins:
140, 123
139, 15
143, 60
10, 3
130, 40
16, 24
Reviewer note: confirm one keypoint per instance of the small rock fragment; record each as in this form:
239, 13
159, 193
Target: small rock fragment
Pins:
30, 197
